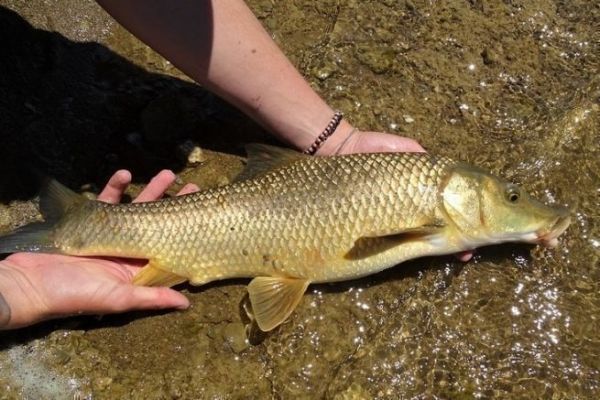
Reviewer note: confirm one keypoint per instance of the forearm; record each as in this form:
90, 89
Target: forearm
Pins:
222, 46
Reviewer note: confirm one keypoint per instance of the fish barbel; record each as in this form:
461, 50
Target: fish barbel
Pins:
291, 220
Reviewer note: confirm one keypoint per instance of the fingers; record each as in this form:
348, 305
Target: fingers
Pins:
156, 187
384, 142
144, 298
403, 144
376, 142
115, 187
187, 189
147, 298
465, 255
117, 184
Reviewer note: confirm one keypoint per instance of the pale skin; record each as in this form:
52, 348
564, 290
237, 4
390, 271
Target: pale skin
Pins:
222, 46
39, 286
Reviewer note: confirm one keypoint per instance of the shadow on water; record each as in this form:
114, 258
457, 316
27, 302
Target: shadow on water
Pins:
79, 111
87, 323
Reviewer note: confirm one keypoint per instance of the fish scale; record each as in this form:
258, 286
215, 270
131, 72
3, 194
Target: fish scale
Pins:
310, 210
291, 220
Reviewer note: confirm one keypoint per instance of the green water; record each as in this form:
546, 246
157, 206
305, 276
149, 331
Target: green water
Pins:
512, 86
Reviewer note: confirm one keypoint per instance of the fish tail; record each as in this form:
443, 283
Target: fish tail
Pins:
55, 201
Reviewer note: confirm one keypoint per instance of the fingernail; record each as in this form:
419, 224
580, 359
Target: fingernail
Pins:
182, 305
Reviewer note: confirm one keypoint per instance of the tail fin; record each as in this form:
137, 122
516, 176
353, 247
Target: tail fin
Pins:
55, 201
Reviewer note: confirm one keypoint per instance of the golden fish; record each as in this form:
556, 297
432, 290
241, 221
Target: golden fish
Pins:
291, 220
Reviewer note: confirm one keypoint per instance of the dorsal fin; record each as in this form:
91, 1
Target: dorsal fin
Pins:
56, 200
263, 158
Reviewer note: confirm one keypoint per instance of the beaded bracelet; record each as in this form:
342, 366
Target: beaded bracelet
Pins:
328, 131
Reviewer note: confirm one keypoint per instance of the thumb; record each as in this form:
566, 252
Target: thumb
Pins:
149, 298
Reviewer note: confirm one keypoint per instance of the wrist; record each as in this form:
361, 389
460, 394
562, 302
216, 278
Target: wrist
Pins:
337, 140
18, 300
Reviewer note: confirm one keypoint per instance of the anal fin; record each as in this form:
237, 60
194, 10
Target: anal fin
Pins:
274, 298
151, 275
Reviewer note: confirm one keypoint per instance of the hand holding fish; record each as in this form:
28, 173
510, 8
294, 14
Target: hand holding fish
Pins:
40, 286
288, 220
346, 216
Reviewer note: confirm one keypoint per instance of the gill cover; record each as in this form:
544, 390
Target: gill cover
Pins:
486, 209
461, 199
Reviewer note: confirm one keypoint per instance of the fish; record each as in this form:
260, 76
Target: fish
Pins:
290, 220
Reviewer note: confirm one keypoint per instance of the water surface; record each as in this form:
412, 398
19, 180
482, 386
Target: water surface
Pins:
511, 86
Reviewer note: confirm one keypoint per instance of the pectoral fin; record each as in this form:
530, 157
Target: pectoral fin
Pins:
273, 299
368, 246
151, 275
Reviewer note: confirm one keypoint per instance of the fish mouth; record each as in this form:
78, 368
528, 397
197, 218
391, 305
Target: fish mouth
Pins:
549, 237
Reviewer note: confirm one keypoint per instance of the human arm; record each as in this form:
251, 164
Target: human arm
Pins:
221, 45
36, 286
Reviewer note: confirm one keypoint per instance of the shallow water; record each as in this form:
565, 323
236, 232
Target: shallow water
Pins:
511, 86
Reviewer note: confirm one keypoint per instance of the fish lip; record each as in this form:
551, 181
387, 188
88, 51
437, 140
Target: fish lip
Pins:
549, 237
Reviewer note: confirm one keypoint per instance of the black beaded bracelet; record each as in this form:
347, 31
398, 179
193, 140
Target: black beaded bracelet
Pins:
328, 131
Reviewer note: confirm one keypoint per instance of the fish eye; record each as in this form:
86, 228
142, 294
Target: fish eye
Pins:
513, 194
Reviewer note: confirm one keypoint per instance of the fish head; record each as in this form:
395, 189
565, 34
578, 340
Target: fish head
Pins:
486, 209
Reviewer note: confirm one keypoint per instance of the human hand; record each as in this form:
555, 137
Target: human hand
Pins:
347, 140
38, 286
376, 142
